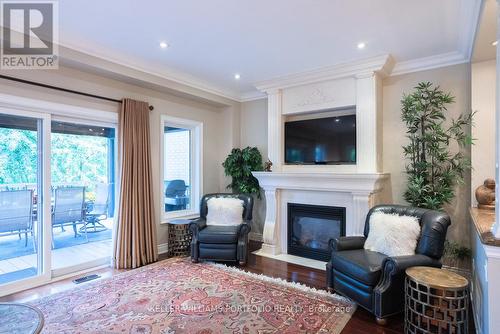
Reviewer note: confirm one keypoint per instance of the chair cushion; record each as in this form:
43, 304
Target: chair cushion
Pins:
213, 234
224, 211
360, 264
393, 234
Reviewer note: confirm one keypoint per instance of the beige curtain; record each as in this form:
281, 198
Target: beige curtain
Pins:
135, 233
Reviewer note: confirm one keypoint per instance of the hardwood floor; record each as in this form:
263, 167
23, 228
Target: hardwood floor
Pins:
361, 323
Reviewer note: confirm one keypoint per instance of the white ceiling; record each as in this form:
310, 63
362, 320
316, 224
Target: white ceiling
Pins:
210, 40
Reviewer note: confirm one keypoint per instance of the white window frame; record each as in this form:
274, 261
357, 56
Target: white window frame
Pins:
196, 166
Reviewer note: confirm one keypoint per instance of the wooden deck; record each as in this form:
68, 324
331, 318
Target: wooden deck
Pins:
61, 258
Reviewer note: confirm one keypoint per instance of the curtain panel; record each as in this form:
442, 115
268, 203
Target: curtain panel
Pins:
135, 234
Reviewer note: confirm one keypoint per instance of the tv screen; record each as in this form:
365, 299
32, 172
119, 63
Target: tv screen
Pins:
321, 141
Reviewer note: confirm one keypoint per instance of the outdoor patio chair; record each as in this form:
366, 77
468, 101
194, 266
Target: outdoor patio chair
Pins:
69, 209
175, 195
99, 209
16, 207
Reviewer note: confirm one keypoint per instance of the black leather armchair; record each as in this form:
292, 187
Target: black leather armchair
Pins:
221, 243
374, 280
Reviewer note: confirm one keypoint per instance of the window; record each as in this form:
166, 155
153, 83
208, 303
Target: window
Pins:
181, 167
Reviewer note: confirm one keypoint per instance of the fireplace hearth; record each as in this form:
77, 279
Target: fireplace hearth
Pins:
310, 228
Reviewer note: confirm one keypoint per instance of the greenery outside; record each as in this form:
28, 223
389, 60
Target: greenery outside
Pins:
75, 159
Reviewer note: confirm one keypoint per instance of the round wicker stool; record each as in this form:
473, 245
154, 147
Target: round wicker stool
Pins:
179, 237
437, 301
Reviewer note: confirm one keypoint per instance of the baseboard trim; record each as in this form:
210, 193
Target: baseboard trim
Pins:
254, 236
163, 248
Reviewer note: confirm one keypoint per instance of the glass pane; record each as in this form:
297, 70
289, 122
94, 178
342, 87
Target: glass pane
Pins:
83, 179
177, 169
20, 185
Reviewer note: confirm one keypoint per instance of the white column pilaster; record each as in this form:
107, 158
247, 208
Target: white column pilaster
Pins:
272, 223
275, 129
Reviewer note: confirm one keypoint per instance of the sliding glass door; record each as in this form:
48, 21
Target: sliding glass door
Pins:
57, 197
24, 199
83, 188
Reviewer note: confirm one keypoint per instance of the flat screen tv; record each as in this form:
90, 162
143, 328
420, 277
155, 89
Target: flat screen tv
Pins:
321, 141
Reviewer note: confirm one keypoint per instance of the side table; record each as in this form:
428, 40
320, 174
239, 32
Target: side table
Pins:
179, 237
436, 301
20, 319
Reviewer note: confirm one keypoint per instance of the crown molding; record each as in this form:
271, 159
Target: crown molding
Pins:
252, 96
380, 64
74, 56
428, 63
470, 27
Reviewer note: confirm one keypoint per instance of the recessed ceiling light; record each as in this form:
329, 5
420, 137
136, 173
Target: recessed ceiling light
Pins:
237, 76
494, 43
361, 45
163, 45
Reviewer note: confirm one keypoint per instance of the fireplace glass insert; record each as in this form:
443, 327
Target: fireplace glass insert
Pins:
310, 228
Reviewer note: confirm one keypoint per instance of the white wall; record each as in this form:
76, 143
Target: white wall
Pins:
253, 123
483, 88
253, 132
219, 132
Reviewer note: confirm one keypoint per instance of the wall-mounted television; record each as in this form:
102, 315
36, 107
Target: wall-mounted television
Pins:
321, 141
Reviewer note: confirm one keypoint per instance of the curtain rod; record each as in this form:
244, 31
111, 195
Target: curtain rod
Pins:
6, 77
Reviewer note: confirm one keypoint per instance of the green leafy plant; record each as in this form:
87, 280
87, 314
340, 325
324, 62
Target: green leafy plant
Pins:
454, 250
433, 170
456, 255
239, 164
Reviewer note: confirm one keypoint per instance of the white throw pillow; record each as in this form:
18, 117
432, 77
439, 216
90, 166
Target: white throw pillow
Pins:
392, 234
224, 211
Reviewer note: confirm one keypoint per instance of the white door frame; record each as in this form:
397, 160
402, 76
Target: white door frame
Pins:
44, 239
48, 111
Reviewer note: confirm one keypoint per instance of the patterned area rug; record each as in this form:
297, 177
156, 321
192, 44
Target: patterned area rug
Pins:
176, 296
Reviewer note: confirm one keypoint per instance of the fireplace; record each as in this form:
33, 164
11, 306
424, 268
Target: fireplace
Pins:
310, 228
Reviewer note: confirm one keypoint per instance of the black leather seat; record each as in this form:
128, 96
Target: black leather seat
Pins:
364, 265
376, 281
219, 235
221, 243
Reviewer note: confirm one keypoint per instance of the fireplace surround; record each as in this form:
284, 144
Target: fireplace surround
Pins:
355, 187
310, 228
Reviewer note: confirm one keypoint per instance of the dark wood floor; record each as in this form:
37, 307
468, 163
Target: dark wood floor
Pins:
361, 323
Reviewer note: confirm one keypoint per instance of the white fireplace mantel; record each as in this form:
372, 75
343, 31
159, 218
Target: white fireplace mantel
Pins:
339, 182
356, 187
354, 191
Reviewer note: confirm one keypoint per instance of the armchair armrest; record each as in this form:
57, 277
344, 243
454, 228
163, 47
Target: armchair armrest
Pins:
196, 225
393, 268
347, 243
245, 227
398, 264
389, 292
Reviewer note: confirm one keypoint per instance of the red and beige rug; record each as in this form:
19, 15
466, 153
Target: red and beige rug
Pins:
176, 296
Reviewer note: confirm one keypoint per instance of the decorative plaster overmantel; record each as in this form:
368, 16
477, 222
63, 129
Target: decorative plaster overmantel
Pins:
357, 84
